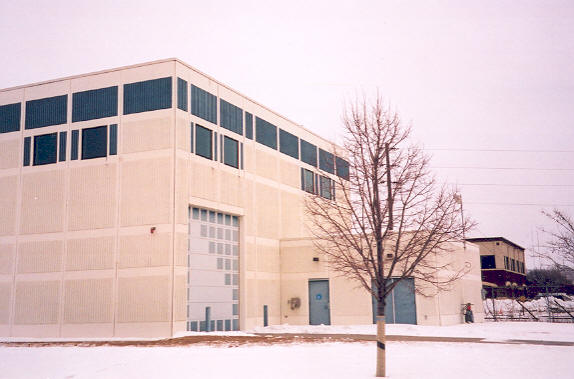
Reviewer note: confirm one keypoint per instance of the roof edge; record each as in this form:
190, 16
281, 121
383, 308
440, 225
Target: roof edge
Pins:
493, 239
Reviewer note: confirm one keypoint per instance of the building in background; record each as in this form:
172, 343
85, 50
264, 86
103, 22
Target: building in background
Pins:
502, 265
152, 199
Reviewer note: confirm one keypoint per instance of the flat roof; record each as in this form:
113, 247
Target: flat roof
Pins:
164, 61
495, 239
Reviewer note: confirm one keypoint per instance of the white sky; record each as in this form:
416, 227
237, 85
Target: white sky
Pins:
481, 76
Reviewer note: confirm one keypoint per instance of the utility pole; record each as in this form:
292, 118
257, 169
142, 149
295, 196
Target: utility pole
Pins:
458, 199
389, 187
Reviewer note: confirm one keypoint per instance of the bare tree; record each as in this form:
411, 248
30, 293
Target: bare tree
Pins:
559, 249
390, 219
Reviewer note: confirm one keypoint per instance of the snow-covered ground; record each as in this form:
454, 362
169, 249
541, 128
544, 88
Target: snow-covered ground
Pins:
315, 360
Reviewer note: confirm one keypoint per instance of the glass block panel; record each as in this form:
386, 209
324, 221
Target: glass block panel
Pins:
288, 144
10, 117
227, 279
203, 215
326, 161
220, 263
203, 142
228, 264
45, 149
265, 133
149, 95
46, 112
203, 104
182, 94
94, 142
230, 156
248, 125
94, 104
211, 216
231, 117
308, 153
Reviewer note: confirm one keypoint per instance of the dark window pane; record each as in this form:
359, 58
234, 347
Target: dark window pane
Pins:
203, 142
93, 104
45, 149
231, 117
265, 133
113, 139
308, 153
214, 146
230, 155
62, 147
27, 143
10, 118
241, 156
182, 94
342, 168
147, 96
191, 138
307, 181
325, 187
487, 261
94, 142
203, 104
248, 125
326, 161
74, 151
46, 112
288, 144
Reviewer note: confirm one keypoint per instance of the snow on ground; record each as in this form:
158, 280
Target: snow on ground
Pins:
489, 330
406, 360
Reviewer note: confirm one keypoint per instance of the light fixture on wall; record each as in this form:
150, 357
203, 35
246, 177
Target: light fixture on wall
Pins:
152, 230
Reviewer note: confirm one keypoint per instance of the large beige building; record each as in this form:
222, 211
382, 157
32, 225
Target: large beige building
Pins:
145, 200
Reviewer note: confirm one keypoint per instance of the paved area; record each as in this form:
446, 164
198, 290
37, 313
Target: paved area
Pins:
285, 338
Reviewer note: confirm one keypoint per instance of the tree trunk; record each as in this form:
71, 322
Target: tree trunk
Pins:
381, 364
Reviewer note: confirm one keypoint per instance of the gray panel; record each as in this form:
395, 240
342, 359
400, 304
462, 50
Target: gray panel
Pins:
404, 302
319, 312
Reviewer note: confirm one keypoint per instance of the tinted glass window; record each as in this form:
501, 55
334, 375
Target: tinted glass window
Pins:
308, 153
342, 167
113, 139
288, 144
307, 181
265, 133
326, 161
62, 147
45, 149
10, 118
248, 125
46, 112
203, 142
325, 187
231, 117
27, 143
74, 150
149, 95
487, 261
94, 142
203, 104
182, 94
230, 154
93, 104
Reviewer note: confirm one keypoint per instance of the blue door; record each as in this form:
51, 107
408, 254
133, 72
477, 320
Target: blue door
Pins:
319, 309
400, 307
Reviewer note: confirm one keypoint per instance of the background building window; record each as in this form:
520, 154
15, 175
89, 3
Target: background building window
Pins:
231, 117
149, 95
62, 148
288, 144
203, 104
487, 261
326, 161
27, 143
45, 149
248, 125
94, 142
10, 118
265, 133
46, 112
203, 142
308, 153
325, 185
342, 168
94, 104
230, 154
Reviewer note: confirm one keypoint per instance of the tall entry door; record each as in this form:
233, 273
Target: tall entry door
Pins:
400, 307
319, 308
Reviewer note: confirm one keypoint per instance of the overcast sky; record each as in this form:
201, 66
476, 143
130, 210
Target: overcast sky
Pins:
471, 77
